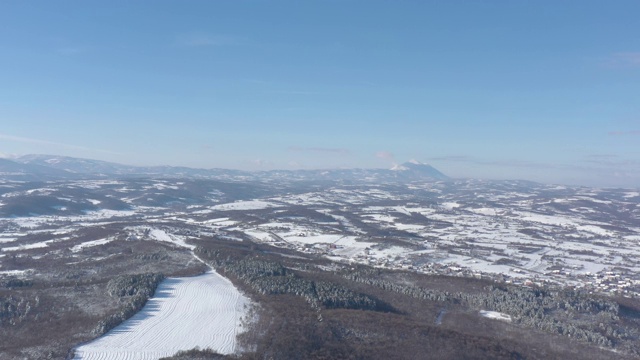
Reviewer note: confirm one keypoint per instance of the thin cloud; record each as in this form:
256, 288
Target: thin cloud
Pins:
385, 155
596, 162
451, 158
503, 163
624, 59
598, 165
623, 133
521, 164
617, 162
5, 156
600, 169
340, 151
53, 143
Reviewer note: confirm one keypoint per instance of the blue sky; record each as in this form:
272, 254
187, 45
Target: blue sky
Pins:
540, 90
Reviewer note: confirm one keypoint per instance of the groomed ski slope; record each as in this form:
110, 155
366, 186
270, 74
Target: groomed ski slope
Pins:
201, 311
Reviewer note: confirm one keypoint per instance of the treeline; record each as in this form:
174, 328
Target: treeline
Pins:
566, 312
14, 309
133, 291
155, 256
556, 312
196, 354
271, 278
15, 283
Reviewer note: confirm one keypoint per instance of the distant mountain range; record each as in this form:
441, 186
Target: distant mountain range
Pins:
16, 170
51, 167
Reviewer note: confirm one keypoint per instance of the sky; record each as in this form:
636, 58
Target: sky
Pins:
542, 90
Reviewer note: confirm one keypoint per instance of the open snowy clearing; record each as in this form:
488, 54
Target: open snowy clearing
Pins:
201, 311
161, 235
92, 243
35, 221
16, 272
38, 245
6, 240
495, 315
244, 205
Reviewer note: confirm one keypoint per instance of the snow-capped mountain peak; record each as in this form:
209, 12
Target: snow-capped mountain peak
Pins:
416, 169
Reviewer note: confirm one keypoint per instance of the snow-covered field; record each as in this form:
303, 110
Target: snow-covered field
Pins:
161, 235
38, 245
15, 272
36, 221
244, 205
92, 243
495, 315
201, 311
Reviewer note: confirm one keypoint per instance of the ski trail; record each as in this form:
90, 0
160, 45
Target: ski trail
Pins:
201, 311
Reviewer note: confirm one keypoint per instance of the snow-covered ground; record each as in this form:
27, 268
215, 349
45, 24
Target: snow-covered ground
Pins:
7, 240
533, 232
15, 272
92, 243
91, 216
244, 205
203, 311
161, 235
495, 315
38, 245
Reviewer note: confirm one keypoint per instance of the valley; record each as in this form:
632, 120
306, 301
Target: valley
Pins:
467, 248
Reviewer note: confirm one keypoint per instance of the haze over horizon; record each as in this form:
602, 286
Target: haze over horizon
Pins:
541, 91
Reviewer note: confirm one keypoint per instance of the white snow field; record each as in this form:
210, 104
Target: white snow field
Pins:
244, 205
495, 315
92, 243
161, 235
201, 311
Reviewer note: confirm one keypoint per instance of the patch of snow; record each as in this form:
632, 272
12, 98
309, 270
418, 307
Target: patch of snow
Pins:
389, 252
217, 220
16, 272
381, 218
450, 205
202, 311
485, 211
349, 247
495, 315
545, 219
409, 227
87, 244
161, 235
259, 235
595, 229
38, 245
244, 205
315, 238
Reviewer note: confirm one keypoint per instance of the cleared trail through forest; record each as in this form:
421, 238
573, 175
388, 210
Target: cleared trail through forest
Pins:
200, 311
